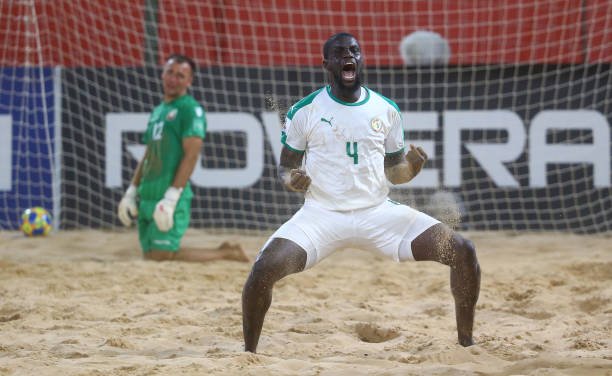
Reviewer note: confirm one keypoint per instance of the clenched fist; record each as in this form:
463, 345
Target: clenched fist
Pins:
416, 158
297, 180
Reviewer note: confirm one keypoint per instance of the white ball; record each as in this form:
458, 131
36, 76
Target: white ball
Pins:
424, 48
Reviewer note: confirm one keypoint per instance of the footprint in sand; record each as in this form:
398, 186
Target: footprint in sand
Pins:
593, 304
372, 333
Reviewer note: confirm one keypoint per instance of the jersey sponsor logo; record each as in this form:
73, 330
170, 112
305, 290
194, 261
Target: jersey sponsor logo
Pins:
171, 115
324, 120
376, 124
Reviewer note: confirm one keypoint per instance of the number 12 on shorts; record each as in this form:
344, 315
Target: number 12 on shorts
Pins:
352, 154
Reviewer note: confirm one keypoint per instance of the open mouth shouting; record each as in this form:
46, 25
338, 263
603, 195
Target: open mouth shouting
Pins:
349, 72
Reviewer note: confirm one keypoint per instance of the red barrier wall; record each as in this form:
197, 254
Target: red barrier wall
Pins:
291, 32
286, 32
599, 31
71, 33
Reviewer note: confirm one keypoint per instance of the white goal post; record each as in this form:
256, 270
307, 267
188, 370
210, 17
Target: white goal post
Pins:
511, 100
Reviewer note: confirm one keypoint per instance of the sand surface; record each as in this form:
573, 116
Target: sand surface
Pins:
85, 303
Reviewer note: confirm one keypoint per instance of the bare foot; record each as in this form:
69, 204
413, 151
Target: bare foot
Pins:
466, 341
234, 252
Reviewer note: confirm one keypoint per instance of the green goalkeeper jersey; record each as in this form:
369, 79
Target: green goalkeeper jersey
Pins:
168, 124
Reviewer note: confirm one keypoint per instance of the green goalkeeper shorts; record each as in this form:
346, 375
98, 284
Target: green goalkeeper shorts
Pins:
151, 238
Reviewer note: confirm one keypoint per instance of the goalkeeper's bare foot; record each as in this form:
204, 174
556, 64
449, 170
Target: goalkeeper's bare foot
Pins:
233, 252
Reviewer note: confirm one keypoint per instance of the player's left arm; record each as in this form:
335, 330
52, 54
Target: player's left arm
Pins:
163, 215
191, 152
193, 122
400, 168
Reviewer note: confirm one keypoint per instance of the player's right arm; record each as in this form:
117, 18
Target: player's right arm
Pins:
290, 171
138, 171
128, 208
294, 141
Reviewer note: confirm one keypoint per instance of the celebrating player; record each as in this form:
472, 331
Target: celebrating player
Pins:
340, 145
174, 137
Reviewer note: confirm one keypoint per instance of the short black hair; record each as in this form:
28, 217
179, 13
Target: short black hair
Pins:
332, 39
179, 58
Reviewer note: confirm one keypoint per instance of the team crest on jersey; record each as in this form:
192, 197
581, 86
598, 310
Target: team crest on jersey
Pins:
171, 115
376, 124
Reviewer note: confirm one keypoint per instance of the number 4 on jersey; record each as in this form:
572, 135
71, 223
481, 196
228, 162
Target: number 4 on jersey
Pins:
353, 154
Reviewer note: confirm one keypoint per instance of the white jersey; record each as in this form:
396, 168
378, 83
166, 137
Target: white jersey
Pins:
345, 146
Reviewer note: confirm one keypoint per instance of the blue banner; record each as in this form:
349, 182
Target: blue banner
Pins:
27, 130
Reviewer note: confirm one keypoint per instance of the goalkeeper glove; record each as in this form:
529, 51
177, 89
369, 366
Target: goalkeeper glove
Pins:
164, 210
128, 209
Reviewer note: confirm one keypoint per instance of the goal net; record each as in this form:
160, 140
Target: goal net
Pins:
510, 99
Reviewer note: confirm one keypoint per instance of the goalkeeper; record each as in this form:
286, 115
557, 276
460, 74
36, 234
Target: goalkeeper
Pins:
174, 136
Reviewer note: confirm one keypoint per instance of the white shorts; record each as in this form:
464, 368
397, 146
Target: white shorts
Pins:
381, 228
